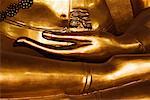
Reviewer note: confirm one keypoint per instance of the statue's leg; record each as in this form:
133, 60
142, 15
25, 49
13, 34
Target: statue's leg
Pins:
25, 76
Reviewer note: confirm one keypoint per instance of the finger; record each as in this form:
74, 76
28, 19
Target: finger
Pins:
72, 33
72, 39
24, 41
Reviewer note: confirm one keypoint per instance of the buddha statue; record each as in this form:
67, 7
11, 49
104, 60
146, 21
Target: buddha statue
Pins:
75, 49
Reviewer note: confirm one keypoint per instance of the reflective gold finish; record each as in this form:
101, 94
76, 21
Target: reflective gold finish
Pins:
121, 12
109, 66
87, 46
25, 77
51, 11
139, 5
99, 46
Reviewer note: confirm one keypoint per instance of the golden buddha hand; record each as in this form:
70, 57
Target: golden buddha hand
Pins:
95, 46
63, 17
77, 33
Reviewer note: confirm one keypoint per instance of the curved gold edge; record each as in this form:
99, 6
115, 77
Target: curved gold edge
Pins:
118, 72
113, 93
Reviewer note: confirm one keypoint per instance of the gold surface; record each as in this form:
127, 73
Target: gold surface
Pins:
26, 78
139, 5
100, 46
123, 67
51, 11
121, 12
